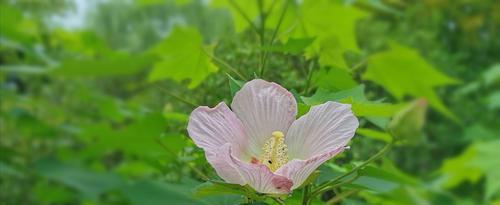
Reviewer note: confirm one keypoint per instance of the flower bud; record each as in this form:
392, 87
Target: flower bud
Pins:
407, 124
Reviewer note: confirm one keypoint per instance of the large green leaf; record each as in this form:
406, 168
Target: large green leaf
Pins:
183, 57
333, 25
402, 71
156, 193
356, 97
140, 138
114, 65
90, 184
16, 26
479, 159
333, 79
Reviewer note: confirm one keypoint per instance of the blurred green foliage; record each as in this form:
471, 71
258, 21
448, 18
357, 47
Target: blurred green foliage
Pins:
96, 113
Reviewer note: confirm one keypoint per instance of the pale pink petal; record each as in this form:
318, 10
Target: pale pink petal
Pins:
323, 129
263, 107
260, 178
257, 176
298, 170
210, 128
222, 162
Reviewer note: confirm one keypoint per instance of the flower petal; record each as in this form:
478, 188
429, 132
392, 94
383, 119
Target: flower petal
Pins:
257, 176
323, 129
260, 178
210, 128
221, 160
263, 107
298, 170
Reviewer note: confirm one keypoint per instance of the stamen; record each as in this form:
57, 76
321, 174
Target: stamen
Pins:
275, 151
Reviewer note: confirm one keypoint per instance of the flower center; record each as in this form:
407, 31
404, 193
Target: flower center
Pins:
275, 151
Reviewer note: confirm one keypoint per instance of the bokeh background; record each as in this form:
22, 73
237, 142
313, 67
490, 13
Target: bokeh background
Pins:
95, 94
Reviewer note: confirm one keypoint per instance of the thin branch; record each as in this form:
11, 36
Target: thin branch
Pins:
341, 196
275, 32
279, 201
262, 31
309, 77
359, 65
225, 64
187, 102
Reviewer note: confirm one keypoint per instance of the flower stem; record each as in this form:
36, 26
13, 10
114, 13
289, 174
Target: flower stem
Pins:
277, 200
305, 195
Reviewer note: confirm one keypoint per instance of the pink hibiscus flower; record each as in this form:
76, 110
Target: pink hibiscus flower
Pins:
260, 143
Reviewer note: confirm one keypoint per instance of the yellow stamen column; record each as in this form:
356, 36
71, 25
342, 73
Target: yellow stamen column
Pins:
275, 151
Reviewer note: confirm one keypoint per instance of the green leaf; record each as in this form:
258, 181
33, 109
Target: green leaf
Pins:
402, 71
456, 170
49, 193
332, 23
494, 100
116, 65
157, 193
357, 94
292, 46
375, 109
487, 160
90, 184
374, 134
492, 75
139, 138
356, 97
16, 26
333, 79
234, 85
213, 188
183, 57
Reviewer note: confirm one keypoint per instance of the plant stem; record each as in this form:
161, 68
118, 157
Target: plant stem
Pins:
278, 201
309, 77
262, 30
305, 195
275, 32
225, 64
341, 183
341, 196
187, 102
240, 11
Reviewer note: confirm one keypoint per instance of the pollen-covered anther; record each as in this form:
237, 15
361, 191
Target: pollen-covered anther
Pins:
275, 151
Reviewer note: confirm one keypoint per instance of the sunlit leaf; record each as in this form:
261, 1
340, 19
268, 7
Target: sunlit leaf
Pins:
374, 134
183, 57
492, 75
333, 79
332, 23
402, 71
